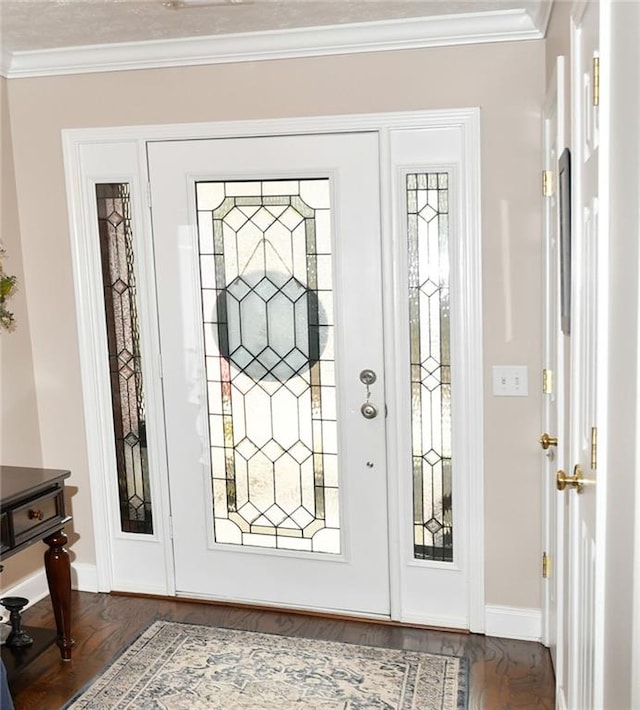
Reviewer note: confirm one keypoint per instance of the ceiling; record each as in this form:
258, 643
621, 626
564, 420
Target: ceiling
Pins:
36, 25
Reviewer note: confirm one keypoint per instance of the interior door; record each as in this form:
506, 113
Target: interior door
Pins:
269, 294
584, 679
553, 440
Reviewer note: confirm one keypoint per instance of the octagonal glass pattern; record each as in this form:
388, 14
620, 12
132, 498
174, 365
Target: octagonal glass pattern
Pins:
430, 353
266, 286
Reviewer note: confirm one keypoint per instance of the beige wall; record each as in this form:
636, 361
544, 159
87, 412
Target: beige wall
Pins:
19, 424
505, 80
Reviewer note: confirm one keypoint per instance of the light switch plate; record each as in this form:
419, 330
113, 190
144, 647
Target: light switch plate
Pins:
510, 381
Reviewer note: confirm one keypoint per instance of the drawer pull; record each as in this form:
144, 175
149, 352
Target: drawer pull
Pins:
35, 514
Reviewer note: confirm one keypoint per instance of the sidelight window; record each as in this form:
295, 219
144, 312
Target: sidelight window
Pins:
430, 352
123, 337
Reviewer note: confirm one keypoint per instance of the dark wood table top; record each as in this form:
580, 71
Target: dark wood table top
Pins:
18, 482
43, 488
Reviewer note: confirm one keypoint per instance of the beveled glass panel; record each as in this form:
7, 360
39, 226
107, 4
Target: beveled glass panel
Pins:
123, 338
430, 361
268, 321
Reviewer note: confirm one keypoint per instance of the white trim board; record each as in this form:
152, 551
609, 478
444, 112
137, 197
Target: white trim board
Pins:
501, 621
35, 587
84, 577
513, 622
413, 33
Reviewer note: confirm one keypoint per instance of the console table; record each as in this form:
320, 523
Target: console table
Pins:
32, 508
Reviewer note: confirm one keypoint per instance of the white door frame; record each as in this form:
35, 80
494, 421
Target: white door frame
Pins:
553, 358
586, 556
98, 155
619, 78
347, 577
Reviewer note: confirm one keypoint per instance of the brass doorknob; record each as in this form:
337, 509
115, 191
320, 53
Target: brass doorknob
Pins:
546, 441
576, 481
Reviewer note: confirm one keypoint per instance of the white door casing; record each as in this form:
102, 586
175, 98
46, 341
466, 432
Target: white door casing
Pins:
555, 381
109, 157
119, 154
585, 551
429, 591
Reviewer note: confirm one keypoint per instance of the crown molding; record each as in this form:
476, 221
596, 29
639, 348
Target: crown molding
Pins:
438, 31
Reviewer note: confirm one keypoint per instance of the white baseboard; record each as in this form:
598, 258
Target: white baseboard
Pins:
502, 621
561, 703
84, 577
153, 590
438, 622
513, 622
34, 588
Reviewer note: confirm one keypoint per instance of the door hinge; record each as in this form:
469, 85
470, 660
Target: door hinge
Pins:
596, 81
171, 527
547, 381
547, 183
149, 195
594, 448
546, 566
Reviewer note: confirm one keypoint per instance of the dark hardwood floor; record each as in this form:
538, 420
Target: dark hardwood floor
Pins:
504, 674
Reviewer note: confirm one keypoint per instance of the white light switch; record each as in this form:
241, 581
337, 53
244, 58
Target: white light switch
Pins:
510, 381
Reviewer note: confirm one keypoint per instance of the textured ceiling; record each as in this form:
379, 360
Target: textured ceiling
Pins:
45, 24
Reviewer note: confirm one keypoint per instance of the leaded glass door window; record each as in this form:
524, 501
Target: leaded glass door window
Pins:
427, 197
268, 261
113, 204
266, 286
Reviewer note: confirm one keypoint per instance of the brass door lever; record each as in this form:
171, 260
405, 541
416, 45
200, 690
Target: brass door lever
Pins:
576, 481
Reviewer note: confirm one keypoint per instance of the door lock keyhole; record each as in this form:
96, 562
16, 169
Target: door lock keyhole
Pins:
368, 409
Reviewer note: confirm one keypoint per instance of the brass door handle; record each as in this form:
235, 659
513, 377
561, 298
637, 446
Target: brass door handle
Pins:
546, 441
576, 481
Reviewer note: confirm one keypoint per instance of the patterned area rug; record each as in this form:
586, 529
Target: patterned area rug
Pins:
185, 667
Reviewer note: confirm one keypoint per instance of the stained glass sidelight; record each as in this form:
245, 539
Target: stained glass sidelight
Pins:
123, 336
430, 357
266, 278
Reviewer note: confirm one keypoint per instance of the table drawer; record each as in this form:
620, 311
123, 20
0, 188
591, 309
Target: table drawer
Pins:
41, 512
5, 533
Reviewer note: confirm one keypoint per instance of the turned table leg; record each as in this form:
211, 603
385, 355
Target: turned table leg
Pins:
58, 567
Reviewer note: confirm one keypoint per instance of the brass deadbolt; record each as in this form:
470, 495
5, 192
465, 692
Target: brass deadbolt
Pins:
546, 441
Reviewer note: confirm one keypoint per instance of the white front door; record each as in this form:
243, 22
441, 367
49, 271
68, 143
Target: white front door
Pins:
270, 311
